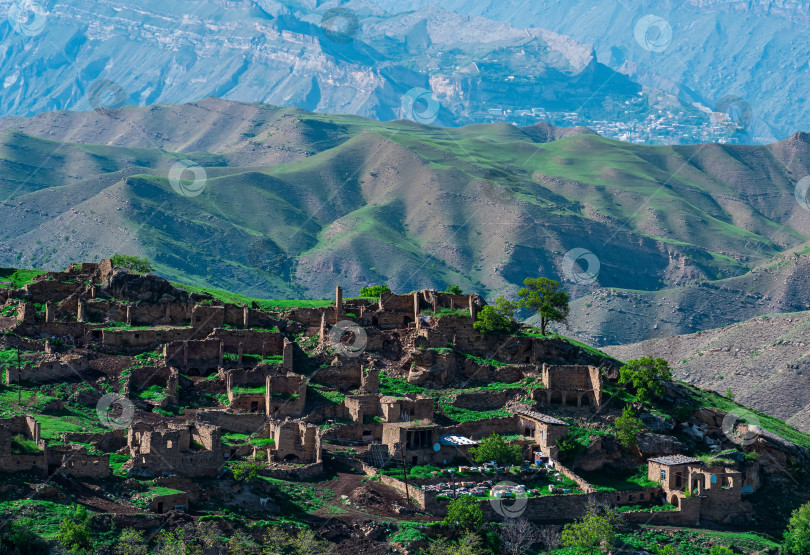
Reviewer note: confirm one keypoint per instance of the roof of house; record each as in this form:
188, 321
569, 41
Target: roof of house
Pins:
540, 417
675, 459
456, 440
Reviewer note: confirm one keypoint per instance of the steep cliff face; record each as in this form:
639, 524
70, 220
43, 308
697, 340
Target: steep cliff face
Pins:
82, 54
704, 50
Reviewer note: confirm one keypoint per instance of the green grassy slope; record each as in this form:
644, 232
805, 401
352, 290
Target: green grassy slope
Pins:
297, 202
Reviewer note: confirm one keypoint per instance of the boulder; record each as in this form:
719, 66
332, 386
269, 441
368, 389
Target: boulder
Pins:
710, 416
656, 423
136, 287
652, 445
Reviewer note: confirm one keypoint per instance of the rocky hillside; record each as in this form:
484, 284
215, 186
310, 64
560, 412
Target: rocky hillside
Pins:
763, 361
601, 316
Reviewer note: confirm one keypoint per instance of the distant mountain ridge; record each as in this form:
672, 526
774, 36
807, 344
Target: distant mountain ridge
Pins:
100, 53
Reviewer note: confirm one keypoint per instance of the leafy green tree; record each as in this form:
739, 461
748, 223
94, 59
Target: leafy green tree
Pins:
133, 263
721, 550
647, 376
627, 428
245, 471
497, 318
464, 513
469, 544
594, 533
130, 542
20, 538
374, 291
494, 448
797, 534
545, 297
74, 531
454, 290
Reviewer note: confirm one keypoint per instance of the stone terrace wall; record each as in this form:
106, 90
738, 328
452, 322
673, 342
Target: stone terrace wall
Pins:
253, 342
65, 368
243, 423
203, 353
144, 339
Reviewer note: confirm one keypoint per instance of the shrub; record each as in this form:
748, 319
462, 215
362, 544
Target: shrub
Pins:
489, 320
627, 428
494, 448
133, 263
593, 532
74, 531
464, 513
245, 471
374, 291
797, 534
21, 538
454, 290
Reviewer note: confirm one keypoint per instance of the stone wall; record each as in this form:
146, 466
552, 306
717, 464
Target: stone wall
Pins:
479, 400
59, 369
204, 319
342, 377
295, 441
253, 342
143, 339
242, 423
75, 461
165, 503
204, 354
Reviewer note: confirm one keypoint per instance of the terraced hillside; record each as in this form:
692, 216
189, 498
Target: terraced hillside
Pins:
294, 202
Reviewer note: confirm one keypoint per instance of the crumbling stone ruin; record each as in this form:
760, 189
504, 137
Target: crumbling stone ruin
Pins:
202, 385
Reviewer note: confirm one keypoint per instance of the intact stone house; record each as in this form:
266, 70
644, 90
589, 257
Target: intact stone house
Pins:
712, 493
544, 430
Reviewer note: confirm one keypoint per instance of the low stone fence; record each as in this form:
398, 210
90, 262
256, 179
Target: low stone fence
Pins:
298, 473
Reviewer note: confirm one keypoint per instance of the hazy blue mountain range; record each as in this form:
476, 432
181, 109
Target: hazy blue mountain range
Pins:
754, 51
429, 65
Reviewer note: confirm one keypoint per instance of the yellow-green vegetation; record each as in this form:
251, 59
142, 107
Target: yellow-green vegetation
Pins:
695, 542
11, 278
617, 481
263, 304
300, 496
